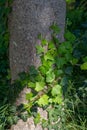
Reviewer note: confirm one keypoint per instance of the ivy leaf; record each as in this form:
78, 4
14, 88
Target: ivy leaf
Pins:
47, 64
69, 1
65, 47
24, 117
43, 100
37, 119
62, 49
64, 81
29, 96
50, 76
50, 64
10, 120
68, 56
48, 56
56, 90
84, 66
55, 39
55, 28
85, 59
31, 85
51, 45
40, 36
53, 52
70, 36
69, 70
39, 49
44, 42
40, 78
15, 119
1, 127
12, 109
28, 107
58, 99
74, 61
68, 46
39, 86
22, 76
33, 71
42, 70
60, 61
58, 72
44, 123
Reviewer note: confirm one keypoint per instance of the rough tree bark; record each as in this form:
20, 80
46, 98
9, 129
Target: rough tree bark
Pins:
28, 19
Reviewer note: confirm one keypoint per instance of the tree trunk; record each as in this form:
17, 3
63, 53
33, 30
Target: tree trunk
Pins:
28, 19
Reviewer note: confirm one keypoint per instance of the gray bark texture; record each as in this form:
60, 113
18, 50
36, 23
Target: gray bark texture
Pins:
28, 19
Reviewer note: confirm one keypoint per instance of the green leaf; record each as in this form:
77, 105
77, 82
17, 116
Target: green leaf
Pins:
1, 126
47, 64
74, 61
85, 59
68, 46
29, 96
62, 49
40, 36
13, 109
70, 36
84, 66
43, 100
55, 40
40, 77
50, 76
48, 56
39, 86
65, 47
69, 70
68, 57
42, 70
53, 52
69, 1
31, 85
55, 28
22, 76
37, 119
44, 42
58, 99
24, 117
28, 107
44, 123
10, 120
39, 49
64, 81
56, 90
51, 45
15, 119
58, 72
33, 70
60, 61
